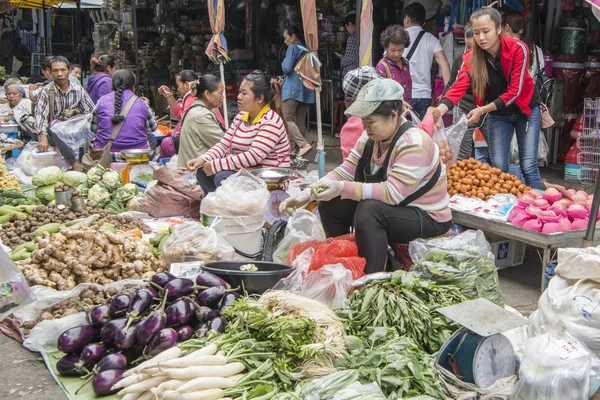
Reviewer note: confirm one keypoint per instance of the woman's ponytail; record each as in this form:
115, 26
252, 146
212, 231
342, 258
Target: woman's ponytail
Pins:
117, 117
276, 102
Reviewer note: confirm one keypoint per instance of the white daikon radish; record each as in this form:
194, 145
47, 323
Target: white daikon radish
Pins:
132, 396
172, 384
210, 394
188, 373
206, 383
147, 396
193, 360
173, 352
130, 380
144, 385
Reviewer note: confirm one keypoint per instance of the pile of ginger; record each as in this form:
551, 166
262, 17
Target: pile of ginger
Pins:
88, 255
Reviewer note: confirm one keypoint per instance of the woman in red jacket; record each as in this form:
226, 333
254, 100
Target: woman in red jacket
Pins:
496, 69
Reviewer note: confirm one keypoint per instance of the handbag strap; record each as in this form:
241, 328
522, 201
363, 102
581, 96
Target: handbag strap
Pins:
51, 100
415, 45
425, 188
124, 113
388, 74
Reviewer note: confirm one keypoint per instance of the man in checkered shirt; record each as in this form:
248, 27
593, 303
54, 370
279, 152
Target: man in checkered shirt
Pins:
348, 60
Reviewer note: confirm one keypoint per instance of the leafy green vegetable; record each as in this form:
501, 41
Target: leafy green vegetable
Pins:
74, 178
84, 189
327, 386
47, 176
45, 193
407, 304
474, 274
395, 363
115, 207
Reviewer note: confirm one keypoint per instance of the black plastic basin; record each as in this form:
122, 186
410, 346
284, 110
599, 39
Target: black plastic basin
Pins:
268, 274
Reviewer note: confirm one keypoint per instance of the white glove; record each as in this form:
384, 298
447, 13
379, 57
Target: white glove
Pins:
332, 190
288, 206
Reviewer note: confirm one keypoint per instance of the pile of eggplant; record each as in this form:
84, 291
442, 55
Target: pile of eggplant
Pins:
134, 328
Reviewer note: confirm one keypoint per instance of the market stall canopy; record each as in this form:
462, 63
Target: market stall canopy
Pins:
309, 66
365, 46
40, 3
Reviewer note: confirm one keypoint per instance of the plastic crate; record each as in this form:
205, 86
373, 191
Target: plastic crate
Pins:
589, 159
591, 118
588, 144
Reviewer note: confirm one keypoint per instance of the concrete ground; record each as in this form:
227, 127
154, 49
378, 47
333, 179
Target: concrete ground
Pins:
24, 374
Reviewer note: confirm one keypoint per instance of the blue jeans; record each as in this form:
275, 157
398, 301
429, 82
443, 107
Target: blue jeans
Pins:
501, 129
420, 106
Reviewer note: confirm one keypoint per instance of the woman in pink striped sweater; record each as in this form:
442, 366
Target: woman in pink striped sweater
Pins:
257, 137
392, 187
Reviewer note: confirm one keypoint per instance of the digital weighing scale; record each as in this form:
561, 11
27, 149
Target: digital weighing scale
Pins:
478, 353
137, 164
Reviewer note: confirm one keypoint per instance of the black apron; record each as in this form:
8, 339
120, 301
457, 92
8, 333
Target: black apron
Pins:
363, 168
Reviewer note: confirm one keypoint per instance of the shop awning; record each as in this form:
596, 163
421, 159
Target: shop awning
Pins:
41, 3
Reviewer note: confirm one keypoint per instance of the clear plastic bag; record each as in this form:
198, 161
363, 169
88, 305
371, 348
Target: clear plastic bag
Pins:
464, 260
356, 391
326, 387
441, 139
294, 281
329, 285
31, 160
455, 134
556, 369
193, 241
543, 149
14, 290
74, 132
241, 194
301, 227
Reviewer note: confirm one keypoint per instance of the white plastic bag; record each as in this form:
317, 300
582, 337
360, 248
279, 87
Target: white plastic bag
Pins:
329, 285
74, 132
193, 241
570, 303
14, 290
301, 227
241, 194
543, 149
556, 369
455, 135
30, 160
294, 281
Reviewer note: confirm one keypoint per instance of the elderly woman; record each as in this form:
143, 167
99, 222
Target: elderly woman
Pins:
392, 188
257, 136
20, 110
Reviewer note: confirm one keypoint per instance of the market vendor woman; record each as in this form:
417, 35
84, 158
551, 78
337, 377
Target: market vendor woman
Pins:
392, 187
257, 137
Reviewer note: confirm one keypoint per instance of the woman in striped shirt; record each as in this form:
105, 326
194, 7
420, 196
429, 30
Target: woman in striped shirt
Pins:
392, 187
257, 136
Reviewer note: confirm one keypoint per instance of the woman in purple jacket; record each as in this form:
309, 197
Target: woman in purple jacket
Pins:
100, 83
135, 126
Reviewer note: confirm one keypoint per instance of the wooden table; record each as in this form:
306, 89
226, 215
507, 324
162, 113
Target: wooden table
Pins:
547, 243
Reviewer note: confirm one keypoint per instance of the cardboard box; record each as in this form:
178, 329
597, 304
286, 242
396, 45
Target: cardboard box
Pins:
508, 253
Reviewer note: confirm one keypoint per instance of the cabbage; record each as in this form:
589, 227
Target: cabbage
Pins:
45, 193
74, 178
99, 194
111, 179
47, 176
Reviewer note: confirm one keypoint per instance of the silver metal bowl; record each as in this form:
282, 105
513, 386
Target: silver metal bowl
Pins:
135, 153
272, 175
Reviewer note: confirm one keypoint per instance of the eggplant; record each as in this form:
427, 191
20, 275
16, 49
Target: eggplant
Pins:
71, 365
140, 303
205, 314
202, 331
109, 331
163, 340
133, 353
153, 324
75, 339
98, 316
211, 297
184, 332
179, 287
112, 361
119, 305
218, 325
228, 300
179, 312
92, 353
206, 280
126, 338
162, 278
105, 380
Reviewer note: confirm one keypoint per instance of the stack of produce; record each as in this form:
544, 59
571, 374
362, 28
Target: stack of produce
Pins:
158, 242
405, 303
472, 178
143, 323
105, 188
37, 220
7, 180
12, 213
281, 338
14, 197
87, 255
551, 212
